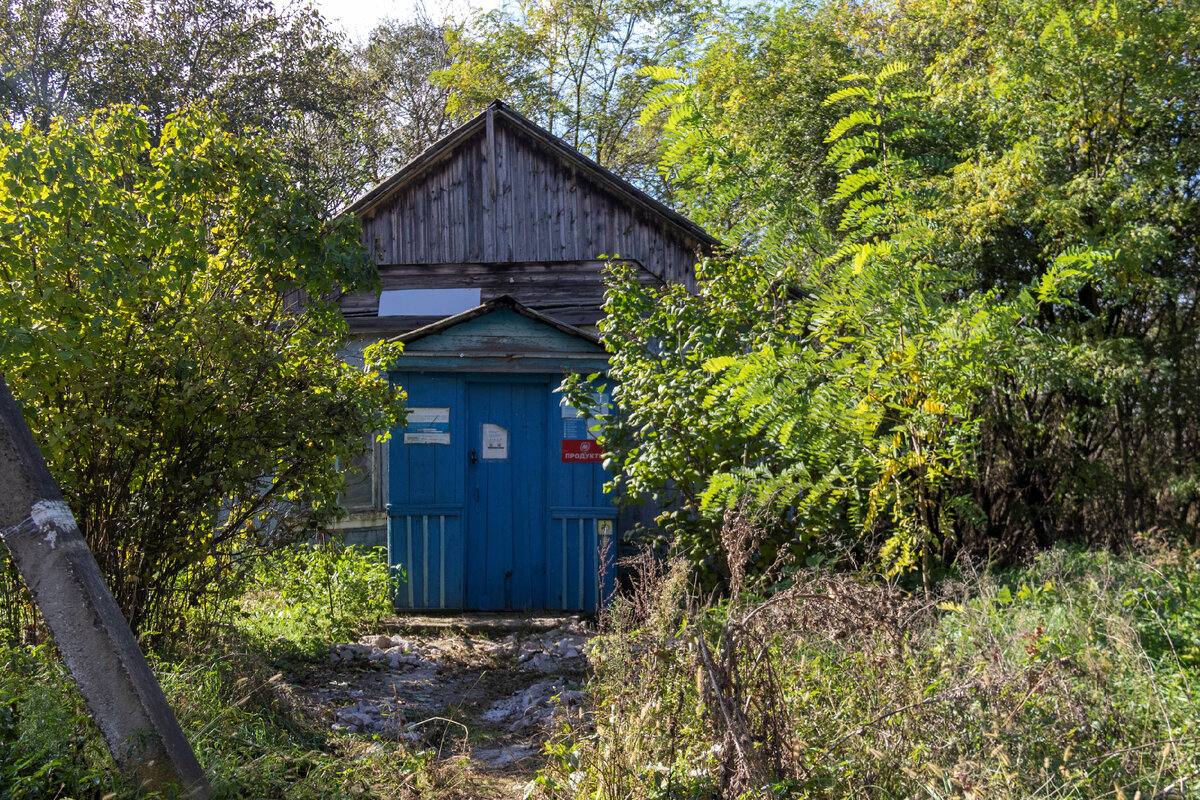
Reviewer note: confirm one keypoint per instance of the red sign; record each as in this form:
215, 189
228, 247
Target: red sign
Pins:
576, 451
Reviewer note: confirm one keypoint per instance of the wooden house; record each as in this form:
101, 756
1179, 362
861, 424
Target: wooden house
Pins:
490, 247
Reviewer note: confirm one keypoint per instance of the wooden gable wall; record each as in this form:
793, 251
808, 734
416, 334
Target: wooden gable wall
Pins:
529, 223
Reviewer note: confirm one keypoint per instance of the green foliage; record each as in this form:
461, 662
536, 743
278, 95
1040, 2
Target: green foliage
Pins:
743, 126
1083, 119
1041, 682
253, 735
310, 593
279, 72
169, 330
666, 426
573, 67
48, 745
874, 406
400, 60
249, 734
972, 323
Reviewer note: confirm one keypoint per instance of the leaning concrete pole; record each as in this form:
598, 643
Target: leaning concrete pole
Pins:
91, 633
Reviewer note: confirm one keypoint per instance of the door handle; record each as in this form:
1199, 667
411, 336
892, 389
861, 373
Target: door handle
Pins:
474, 458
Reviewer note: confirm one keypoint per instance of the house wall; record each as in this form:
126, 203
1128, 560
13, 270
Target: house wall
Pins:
501, 208
533, 224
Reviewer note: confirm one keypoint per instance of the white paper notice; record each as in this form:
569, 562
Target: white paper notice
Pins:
427, 426
495, 441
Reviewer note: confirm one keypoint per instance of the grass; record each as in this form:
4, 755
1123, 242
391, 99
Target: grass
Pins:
1074, 677
250, 735
253, 735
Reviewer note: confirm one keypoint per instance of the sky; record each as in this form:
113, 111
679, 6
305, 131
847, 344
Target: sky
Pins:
359, 17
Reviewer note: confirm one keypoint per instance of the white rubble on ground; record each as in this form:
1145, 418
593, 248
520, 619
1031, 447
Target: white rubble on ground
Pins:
365, 716
393, 652
413, 668
557, 650
534, 707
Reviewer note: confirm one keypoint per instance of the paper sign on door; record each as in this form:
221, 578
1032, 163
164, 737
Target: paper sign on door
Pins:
495, 441
427, 426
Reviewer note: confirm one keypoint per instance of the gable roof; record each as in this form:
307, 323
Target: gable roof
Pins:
499, 112
502, 302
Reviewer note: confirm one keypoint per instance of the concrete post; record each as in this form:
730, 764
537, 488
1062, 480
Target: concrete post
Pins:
89, 629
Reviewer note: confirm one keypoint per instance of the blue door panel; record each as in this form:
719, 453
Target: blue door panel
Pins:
504, 495
527, 531
575, 554
429, 549
425, 474
425, 526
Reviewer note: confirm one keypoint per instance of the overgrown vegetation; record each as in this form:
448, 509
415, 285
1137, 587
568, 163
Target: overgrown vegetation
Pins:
248, 729
1074, 677
251, 740
192, 408
311, 595
957, 323
959, 313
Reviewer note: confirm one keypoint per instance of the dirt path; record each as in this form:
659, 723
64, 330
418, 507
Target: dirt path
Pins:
480, 689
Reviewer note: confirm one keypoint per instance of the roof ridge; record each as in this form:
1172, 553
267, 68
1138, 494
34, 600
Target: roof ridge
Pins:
599, 174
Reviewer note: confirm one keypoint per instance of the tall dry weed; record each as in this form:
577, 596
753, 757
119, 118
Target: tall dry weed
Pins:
1044, 683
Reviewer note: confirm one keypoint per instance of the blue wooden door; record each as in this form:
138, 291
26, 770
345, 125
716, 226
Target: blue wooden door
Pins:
425, 519
506, 509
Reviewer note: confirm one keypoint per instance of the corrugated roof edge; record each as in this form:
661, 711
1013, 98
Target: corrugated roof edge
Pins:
428, 157
503, 301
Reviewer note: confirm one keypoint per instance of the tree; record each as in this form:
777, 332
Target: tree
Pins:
574, 67
282, 73
987, 336
1085, 119
168, 329
401, 60
745, 123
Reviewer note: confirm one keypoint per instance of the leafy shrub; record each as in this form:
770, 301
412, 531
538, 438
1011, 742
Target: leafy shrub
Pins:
188, 410
309, 592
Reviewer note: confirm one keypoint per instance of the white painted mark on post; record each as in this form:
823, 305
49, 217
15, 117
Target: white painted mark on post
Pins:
51, 516
52, 512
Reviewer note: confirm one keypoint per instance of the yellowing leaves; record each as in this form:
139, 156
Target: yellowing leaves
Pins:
930, 406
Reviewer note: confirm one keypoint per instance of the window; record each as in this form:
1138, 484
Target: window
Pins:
427, 302
365, 488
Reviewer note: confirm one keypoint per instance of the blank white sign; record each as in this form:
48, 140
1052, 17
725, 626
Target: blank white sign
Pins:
426, 302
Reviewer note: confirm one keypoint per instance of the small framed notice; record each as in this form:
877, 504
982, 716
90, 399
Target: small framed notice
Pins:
427, 426
495, 441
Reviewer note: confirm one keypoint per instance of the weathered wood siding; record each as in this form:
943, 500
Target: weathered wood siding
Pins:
569, 291
538, 235
502, 332
543, 210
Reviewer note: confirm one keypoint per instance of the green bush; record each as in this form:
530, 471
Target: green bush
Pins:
309, 593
